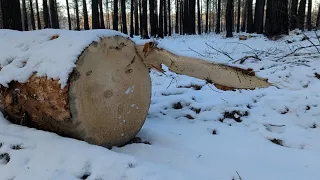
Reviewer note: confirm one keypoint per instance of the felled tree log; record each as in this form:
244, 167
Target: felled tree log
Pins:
222, 76
105, 101
107, 96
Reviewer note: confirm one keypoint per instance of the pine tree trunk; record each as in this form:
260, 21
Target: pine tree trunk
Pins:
136, 18
218, 21
169, 14
46, 14
38, 15
160, 31
309, 22
301, 14
249, 17
186, 25
102, 25
259, 16
238, 16
77, 14
24, 16
277, 18
192, 16
115, 15
57, 13
199, 17
293, 14
156, 17
108, 16
165, 18
181, 18
244, 16
85, 15
152, 16
33, 24
318, 18
207, 16
177, 17
68, 14
229, 18
145, 34
141, 23
131, 18
124, 16
53, 15
11, 15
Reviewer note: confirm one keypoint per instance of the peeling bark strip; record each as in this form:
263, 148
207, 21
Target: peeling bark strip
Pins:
225, 77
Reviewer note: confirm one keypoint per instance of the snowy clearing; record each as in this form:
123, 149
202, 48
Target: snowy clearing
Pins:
197, 131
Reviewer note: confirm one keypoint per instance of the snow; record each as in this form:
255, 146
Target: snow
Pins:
195, 130
25, 53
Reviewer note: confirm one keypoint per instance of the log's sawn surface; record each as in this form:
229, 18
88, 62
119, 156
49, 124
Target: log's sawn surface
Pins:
105, 102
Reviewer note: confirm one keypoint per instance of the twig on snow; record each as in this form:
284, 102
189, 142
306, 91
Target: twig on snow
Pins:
239, 175
242, 60
222, 52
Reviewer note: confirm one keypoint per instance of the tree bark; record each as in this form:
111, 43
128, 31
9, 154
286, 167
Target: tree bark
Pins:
293, 14
229, 18
249, 17
124, 16
145, 34
38, 15
101, 16
301, 14
33, 24
207, 16
85, 15
177, 17
277, 21
136, 18
57, 13
151, 19
318, 18
115, 15
309, 22
46, 14
259, 16
199, 17
68, 14
218, 21
77, 14
53, 15
244, 16
192, 16
131, 18
11, 15
165, 18
169, 14
239, 16
25, 16
141, 23
160, 31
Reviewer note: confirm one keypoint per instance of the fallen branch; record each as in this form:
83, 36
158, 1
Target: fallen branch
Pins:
222, 52
242, 60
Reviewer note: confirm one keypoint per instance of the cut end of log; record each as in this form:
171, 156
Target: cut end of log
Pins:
105, 102
219, 74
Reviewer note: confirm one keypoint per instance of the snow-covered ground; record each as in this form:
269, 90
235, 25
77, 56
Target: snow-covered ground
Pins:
195, 130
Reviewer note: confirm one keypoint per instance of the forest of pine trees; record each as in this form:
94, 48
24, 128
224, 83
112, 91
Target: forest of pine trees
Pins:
159, 18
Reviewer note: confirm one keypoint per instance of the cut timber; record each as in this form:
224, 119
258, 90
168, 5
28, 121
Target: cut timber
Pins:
105, 101
225, 77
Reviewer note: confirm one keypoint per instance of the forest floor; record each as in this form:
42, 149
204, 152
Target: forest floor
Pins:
194, 130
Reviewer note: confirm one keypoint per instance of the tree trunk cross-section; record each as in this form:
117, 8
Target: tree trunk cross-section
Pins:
105, 102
